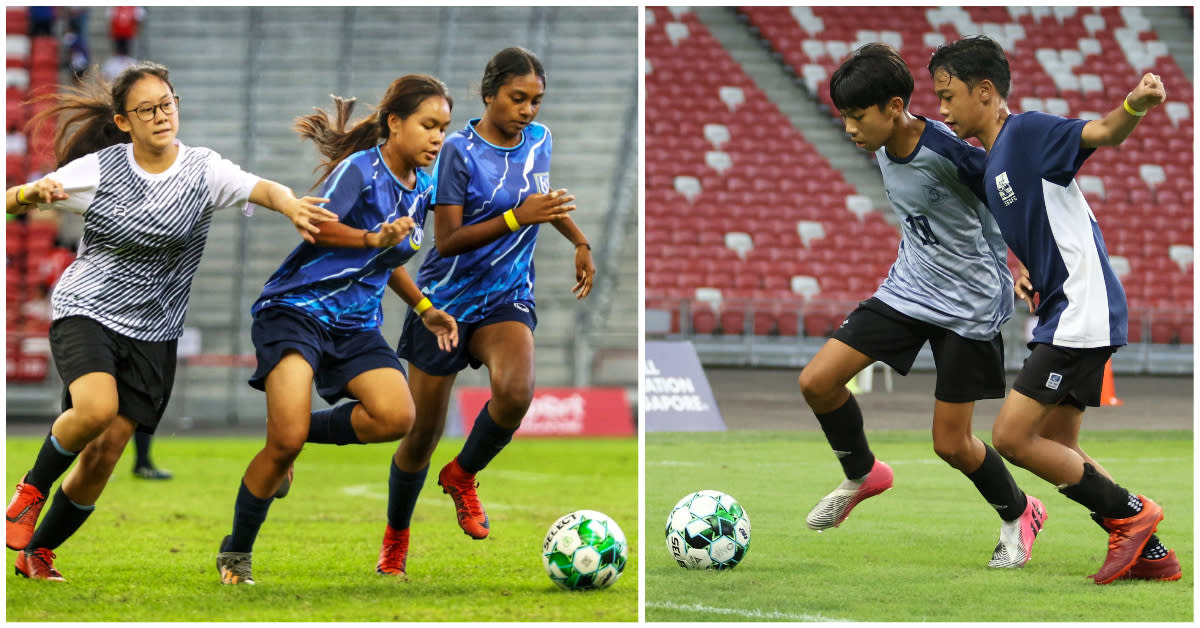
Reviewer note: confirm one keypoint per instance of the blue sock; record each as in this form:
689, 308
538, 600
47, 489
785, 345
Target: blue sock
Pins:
484, 442
403, 489
332, 426
249, 513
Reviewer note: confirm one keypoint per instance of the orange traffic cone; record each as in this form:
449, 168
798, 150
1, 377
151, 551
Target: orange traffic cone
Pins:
1108, 392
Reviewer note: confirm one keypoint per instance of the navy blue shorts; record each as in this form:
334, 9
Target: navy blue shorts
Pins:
335, 358
144, 370
419, 346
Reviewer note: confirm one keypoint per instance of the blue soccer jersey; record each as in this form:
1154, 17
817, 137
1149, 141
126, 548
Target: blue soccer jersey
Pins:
951, 269
1031, 190
343, 287
487, 180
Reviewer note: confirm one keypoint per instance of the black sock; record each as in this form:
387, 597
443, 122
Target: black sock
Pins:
483, 443
996, 484
62, 519
332, 426
844, 430
1154, 549
52, 461
1100, 494
403, 489
249, 513
141, 449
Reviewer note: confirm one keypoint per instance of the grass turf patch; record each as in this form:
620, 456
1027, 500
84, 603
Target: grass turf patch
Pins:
915, 553
148, 552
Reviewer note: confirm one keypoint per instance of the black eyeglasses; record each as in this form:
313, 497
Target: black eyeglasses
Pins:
146, 113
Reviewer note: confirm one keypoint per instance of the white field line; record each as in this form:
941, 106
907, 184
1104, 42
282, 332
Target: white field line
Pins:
927, 461
751, 614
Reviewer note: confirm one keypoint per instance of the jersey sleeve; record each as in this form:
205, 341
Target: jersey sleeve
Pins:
80, 178
453, 176
971, 162
229, 185
1054, 145
343, 188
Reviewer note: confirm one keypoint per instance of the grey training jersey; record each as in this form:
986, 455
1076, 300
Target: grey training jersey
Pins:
143, 236
951, 268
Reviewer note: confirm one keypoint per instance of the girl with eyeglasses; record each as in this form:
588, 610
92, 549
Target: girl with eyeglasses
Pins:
147, 201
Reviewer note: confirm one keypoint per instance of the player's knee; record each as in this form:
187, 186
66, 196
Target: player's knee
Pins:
395, 422
816, 387
511, 399
1008, 442
95, 415
283, 450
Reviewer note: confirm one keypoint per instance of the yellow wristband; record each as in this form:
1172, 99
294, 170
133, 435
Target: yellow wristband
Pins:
1130, 110
422, 305
510, 219
20, 193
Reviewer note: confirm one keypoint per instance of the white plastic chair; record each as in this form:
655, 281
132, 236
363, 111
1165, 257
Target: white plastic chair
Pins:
689, 187
859, 204
1177, 111
718, 160
1092, 183
716, 134
1152, 174
732, 96
805, 286
1120, 265
1181, 254
740, 242
676, 31
810, 230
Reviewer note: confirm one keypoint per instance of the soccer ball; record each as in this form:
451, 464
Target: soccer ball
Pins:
708, 530
584, 550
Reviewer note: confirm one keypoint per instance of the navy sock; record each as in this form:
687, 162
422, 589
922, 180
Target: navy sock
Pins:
483, 443
994, 481
332, 426
1101, 495
1154, 547
844, 430
141, 449
249, 513
52, 461
62, 519
403, 489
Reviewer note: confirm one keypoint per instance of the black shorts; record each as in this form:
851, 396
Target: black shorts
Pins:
419, 346
335, 358
1062, 375
967, 370
144, 370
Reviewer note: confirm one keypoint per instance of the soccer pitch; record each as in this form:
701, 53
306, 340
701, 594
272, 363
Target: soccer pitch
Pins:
915, 553
148, 552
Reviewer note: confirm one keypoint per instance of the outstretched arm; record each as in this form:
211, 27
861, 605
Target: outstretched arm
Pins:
21, 198
1120, 122
337, 234
453, 238
585, 268
439, 322
305, 213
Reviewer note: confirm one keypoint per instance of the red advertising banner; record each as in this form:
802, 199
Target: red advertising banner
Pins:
560, 411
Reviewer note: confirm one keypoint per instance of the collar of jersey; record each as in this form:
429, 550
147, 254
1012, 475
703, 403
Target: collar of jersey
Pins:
416, 172
471, 127
153, 176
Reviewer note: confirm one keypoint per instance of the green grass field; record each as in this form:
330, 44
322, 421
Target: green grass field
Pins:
148, 552
915, 553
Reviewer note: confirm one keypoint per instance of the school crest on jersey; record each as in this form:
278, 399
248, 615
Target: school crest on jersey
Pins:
1005, 189
542, 179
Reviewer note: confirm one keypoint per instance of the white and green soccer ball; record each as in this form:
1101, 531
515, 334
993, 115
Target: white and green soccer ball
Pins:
584, 549
708, 530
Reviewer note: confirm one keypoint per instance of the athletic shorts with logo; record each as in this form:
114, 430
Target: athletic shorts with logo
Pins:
1062, 375
335, 358
419, 346
144, 370
967, 370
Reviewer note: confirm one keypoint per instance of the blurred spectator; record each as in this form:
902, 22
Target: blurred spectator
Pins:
120, 60
123, 24
75, 41
41, 21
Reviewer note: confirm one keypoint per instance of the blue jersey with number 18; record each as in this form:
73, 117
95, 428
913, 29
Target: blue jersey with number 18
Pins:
487, 180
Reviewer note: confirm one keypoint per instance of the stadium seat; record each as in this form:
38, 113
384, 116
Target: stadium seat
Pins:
809, 230
704, 318
689, 187
716, 134
740, 242
1182, 255
732, 96
805, 286
717, 160
860, 205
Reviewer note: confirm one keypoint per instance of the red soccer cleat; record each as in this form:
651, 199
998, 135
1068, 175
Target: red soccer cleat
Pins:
460, 486
38, 565
393, 556
1126, 539
22, 515
1165, 568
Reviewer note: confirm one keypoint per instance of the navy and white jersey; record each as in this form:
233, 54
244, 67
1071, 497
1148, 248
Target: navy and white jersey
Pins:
951, 269
143, 236
487, 180
1031, 189
343, 287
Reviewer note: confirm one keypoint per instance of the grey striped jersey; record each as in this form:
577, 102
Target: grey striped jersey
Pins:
951, 268
143, 236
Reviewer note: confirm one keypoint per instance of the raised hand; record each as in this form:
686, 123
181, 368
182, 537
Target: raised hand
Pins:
539, 208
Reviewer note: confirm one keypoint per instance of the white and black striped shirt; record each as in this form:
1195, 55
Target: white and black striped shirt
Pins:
143, 236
